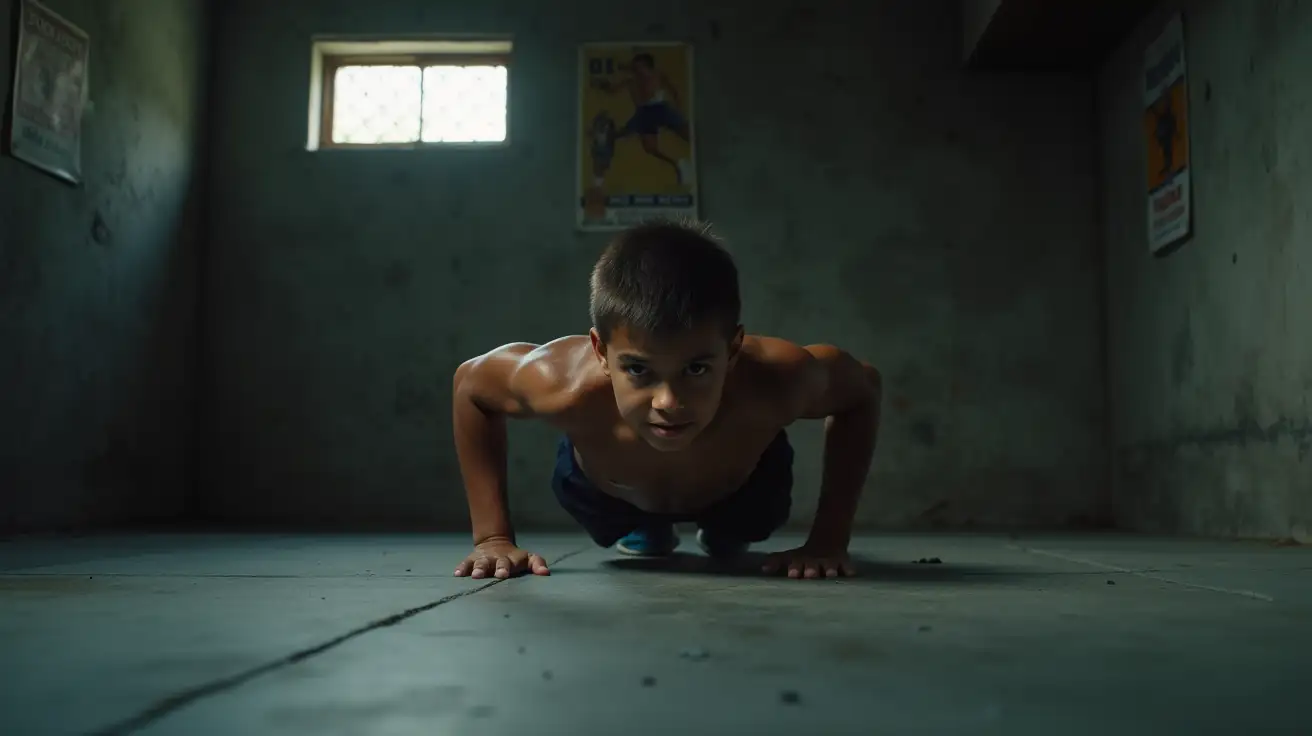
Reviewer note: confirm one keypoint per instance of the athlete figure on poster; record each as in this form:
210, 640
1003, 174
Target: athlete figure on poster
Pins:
655, 103
636, 158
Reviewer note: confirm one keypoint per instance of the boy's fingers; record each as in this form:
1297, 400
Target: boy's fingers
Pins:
538, 565
504, 567
463, 568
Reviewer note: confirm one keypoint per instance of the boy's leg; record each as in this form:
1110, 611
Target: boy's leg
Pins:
756, 510
607, 519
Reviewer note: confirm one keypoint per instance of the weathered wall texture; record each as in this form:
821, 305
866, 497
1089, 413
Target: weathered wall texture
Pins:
97, 327
1211, 348
934, 222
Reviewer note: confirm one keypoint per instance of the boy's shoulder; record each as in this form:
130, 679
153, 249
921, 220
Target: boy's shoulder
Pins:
777, 371
557, 376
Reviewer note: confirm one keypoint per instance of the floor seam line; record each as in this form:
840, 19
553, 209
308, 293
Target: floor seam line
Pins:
186, 697
1127, 571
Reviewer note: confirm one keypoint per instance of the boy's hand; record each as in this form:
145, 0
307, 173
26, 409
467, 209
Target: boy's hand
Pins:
811, 561
501, 559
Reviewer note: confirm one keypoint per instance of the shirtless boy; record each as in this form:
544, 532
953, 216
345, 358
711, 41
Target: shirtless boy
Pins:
669, 414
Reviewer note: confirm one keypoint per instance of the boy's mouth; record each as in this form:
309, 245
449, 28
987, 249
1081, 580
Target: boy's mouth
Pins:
667, 430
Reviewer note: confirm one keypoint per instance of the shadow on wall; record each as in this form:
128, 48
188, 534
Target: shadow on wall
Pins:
98, 283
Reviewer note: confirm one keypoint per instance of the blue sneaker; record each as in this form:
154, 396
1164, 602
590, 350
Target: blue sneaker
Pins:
719, 548
657, 541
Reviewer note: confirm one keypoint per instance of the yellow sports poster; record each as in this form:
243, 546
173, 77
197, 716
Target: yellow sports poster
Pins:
636, 140
1166, 132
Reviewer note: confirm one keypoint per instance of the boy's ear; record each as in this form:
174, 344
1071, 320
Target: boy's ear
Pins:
735, 345
599, 349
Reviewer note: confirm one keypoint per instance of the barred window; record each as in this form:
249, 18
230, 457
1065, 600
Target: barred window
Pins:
397, 94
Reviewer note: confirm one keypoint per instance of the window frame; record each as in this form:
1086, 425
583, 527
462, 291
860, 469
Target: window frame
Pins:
325, 77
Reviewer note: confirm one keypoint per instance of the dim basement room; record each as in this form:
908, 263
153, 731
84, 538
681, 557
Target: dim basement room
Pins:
378, 368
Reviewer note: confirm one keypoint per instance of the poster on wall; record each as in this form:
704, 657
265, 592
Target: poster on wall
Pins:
1166, 132
637, 154
49, 93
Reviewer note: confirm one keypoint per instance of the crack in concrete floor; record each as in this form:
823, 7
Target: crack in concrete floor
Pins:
183, 698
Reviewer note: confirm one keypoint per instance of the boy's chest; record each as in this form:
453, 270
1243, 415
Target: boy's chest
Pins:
718, 463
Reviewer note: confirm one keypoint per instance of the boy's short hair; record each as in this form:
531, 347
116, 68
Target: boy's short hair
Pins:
663, 277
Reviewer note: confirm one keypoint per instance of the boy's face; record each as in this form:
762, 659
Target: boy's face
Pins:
668, 387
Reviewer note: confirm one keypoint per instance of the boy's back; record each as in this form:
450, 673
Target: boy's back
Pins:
669, 413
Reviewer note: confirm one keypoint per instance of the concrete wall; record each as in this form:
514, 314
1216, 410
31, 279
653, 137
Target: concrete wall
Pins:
1211, 348
878, 197
97, 326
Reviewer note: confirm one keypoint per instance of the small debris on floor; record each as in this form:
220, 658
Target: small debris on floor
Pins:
929, 561
649, 681
482, 711
925, 627
791, 697
506, 616
523, 649
546, 674
696, 654
1111, 582
407, 569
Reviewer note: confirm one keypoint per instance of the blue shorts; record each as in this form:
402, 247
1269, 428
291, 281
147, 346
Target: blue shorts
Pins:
649, 119
750, 514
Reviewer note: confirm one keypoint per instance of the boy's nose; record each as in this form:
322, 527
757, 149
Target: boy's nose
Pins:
664, 400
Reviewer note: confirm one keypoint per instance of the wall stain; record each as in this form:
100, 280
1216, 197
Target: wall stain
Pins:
118, 467
1182, 353
925, 433
797, 23
1245, 406
1246, 433
397, 276
414, 399
99, 230
21, 275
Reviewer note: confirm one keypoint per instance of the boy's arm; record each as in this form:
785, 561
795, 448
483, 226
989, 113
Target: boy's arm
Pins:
846, 393
486, 390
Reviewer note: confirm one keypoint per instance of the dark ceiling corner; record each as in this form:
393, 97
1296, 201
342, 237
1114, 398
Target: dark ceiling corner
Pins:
1047, 35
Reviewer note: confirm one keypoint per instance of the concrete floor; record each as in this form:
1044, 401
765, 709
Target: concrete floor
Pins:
215, 634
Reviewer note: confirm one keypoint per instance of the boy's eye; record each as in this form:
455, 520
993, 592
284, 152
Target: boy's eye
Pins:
697, 369
635, 370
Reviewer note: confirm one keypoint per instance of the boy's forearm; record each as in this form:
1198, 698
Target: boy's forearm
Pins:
850, 439
480, 439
